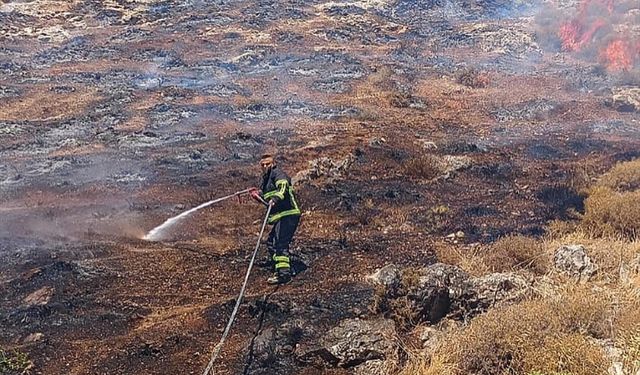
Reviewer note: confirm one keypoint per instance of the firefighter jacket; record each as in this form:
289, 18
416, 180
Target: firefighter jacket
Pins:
276, 185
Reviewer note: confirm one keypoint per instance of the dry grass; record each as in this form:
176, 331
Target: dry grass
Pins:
626, 325
612, 213
548, 336
516, 252
560, 228
470, 259
624, 177
562, 331
425, 167
472, 78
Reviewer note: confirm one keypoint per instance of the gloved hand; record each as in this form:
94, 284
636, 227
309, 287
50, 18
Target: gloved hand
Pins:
255, 193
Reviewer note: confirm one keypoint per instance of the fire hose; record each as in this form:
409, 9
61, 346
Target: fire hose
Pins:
225, 333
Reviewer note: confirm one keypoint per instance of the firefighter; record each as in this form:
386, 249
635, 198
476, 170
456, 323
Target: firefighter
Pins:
276, 190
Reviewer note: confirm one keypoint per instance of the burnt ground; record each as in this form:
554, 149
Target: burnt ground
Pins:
116, 115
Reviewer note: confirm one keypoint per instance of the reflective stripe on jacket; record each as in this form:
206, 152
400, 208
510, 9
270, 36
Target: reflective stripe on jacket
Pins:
276, 184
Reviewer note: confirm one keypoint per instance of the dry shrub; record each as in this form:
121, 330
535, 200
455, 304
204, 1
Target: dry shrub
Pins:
512, 253
626, 324
426, 166
542, 335
470, 259
395, 303
611, 213
418, 364
472, 78
560, 228
624, 177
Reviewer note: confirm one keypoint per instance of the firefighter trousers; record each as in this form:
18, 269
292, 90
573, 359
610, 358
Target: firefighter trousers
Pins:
279, 240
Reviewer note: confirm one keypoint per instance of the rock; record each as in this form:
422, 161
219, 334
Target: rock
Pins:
274, 343
40, 297
356, 341
452, 277
429, 337
438, 287
34, 337
325, 168
264, 347
388, 276
625, 99
427, 144
377, 367
490, 290
377, 141
442, 290
574, 261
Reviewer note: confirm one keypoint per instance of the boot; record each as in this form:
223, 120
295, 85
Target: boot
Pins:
279, 278
267, 262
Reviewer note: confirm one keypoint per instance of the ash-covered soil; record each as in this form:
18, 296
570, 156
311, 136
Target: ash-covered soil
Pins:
407, 121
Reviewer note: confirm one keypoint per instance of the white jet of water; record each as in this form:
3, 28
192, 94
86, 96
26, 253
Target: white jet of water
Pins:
156, 233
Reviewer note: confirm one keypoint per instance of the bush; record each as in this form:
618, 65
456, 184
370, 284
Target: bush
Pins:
396, 303
624, 177
612, 213
626, 325
511, 253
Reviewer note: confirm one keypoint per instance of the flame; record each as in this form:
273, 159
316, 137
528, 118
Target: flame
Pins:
572, 36
581, 33
618, 55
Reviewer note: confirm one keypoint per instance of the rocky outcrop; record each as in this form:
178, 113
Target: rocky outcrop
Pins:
368, 346
574, 261
441, 290
356, 341
497, 288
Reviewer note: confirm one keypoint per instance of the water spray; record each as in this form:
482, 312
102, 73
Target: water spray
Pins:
156, 233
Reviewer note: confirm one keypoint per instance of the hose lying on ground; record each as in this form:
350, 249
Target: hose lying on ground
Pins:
225, 333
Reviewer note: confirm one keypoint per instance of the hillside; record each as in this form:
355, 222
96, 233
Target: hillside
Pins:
481, 156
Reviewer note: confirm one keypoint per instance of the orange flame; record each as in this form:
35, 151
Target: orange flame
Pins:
618, 55
569, 34
572, 36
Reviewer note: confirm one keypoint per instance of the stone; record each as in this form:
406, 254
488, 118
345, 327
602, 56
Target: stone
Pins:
376, 367
574, 261
625, 99
40, 297
388, 276
429, 337
325, 168
443, 290
355, 342
439, 286
264, 347
34, 337
494, 289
